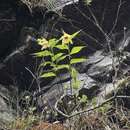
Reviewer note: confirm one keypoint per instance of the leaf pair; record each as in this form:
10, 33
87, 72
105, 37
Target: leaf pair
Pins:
53, 74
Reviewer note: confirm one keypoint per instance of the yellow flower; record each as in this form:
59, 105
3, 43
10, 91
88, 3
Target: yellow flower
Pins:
66, 38
43, 42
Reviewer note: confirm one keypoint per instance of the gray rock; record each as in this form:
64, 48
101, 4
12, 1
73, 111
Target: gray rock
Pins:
6, 102
124, 45
88, 86
86, 81
92, 59
95, 58
98, 66
102, 71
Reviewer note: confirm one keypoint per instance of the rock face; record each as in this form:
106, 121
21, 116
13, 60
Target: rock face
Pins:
17, 27
7, 27
17, 24
7, 96
105, 12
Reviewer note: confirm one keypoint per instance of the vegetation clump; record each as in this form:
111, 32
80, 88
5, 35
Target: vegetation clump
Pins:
60, 54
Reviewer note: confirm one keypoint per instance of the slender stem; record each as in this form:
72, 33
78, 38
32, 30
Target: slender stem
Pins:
53, 55
70, 70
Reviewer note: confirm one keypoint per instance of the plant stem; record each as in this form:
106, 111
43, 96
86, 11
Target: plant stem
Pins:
70, 70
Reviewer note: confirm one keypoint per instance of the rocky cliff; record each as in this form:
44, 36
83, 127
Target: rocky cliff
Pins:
105, 21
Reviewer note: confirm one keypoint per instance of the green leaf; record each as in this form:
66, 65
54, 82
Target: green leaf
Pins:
74, 73
76, 84
52, 42
75, 34
76, 49
55, 57
43, 53
48, 74
62, 67
62, 47
77, 60
58, 55
61, 58
83, 99
94, 102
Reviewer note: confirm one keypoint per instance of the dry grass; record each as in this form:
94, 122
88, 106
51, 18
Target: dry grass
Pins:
49, 126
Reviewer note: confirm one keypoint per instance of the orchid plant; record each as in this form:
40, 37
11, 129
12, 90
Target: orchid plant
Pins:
61, 53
